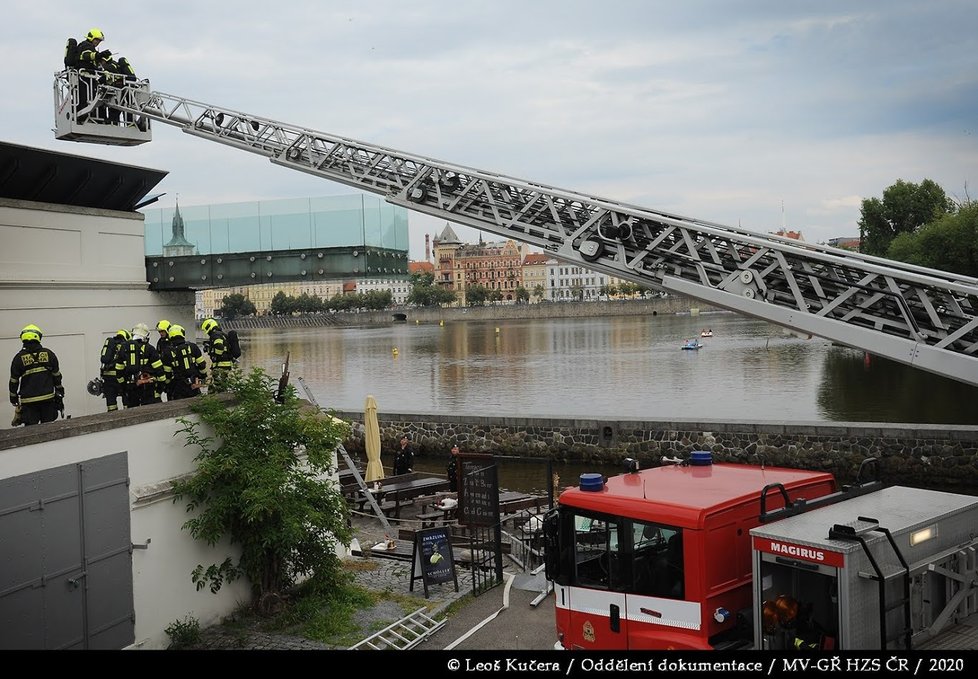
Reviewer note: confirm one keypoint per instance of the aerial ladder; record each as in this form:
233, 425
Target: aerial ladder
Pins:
913, 315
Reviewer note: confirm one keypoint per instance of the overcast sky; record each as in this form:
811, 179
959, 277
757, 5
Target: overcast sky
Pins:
723, 111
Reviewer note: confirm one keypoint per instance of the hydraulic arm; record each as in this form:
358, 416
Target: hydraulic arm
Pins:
918, 316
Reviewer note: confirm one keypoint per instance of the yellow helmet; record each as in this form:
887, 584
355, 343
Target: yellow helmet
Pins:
95, 34
208, 325
176, 331
163, 326
124, 334
31, 333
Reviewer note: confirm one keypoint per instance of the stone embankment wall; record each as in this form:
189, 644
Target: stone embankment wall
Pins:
941, 456
673, 304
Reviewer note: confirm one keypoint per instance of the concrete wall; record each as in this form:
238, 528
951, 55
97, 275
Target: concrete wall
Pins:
79, 274
162, 589
939, 456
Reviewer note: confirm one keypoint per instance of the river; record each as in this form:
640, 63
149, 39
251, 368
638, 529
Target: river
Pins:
618, 367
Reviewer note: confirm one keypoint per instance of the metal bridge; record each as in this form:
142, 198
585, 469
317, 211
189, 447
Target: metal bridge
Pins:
913, 315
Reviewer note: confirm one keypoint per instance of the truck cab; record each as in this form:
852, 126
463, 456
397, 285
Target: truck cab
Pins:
661, 558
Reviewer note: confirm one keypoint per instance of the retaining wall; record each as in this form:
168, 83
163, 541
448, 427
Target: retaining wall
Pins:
941, 456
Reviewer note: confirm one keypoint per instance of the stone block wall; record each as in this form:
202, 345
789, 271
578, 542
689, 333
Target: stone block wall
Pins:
940, 457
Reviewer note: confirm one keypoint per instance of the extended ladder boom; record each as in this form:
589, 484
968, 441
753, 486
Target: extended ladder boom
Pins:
913, 315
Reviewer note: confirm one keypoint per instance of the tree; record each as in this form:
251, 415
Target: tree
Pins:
425, 293
538, 291
262, 482
282, 304
235, 305
476, 295
522, 295
904, 208
948, 244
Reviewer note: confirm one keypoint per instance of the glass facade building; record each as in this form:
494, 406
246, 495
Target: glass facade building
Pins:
289, 224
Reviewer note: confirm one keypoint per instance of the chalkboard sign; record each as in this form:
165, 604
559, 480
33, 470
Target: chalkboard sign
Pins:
433, 560
478, 497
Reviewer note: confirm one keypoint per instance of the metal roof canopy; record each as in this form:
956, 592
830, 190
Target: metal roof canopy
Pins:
29, 173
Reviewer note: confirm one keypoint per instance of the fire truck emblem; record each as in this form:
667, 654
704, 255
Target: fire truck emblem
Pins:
588, 631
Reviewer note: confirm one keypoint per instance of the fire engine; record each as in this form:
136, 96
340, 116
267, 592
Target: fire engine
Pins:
693, 555
697, 555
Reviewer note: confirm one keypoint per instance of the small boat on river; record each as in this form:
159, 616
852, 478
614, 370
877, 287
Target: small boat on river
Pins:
707, 333
692, 345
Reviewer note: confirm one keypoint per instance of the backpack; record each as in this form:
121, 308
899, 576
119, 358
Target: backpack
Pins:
234, 345
71, 53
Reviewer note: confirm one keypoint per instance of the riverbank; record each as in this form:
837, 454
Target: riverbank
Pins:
672, 304
942, 457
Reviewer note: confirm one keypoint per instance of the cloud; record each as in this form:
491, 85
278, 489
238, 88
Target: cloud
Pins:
720, 111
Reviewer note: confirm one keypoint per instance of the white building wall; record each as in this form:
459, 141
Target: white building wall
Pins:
163, 591
78, 274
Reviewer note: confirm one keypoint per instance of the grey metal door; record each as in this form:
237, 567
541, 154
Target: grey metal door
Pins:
66, 557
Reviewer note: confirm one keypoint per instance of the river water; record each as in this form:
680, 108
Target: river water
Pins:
619, 367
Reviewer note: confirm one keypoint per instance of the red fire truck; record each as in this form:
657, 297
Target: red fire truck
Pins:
696, 555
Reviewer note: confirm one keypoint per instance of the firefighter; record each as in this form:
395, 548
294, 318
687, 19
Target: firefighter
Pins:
216, 346
109, 358
90, 60
184, 365
162, 348
35, 381
139, 370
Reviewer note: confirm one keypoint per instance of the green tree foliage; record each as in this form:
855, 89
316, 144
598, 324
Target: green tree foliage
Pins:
539, 291
904, 208
522, 295
282, 304
263, 483
476, 295
236, 305
425, 293
948, 244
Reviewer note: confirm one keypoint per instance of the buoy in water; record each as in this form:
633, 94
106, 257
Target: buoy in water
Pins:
394, 351
497, 331
441, 322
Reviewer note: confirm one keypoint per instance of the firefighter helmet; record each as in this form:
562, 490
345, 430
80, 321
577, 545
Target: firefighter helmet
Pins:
123, 333
176, 331
208, 325
163, 326
95, 34
31, 333
140, 331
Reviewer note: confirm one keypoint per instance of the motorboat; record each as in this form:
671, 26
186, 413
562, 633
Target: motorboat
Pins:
706, 333
692, 344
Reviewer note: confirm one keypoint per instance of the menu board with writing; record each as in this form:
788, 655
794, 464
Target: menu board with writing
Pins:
433, 558
478, 497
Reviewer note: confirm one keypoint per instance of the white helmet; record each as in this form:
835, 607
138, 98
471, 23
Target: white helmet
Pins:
140, 331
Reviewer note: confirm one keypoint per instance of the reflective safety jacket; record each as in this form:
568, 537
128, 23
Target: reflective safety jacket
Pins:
110, 354
219, 351
135, 358
184, 361
35, 375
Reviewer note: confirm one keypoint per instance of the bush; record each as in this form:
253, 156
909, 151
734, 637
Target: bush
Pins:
184, 632
263, 482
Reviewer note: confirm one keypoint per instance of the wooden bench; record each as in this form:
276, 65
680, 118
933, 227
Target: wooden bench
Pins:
434, 518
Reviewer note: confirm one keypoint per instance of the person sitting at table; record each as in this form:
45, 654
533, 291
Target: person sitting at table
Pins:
452, 471
404, 457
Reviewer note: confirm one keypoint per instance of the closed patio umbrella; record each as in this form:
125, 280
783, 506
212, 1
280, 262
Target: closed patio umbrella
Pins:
375, 470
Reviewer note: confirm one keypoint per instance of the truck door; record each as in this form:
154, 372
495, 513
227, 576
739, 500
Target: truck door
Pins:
597, 617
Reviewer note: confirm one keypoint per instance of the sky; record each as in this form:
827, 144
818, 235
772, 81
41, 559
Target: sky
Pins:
758, 114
